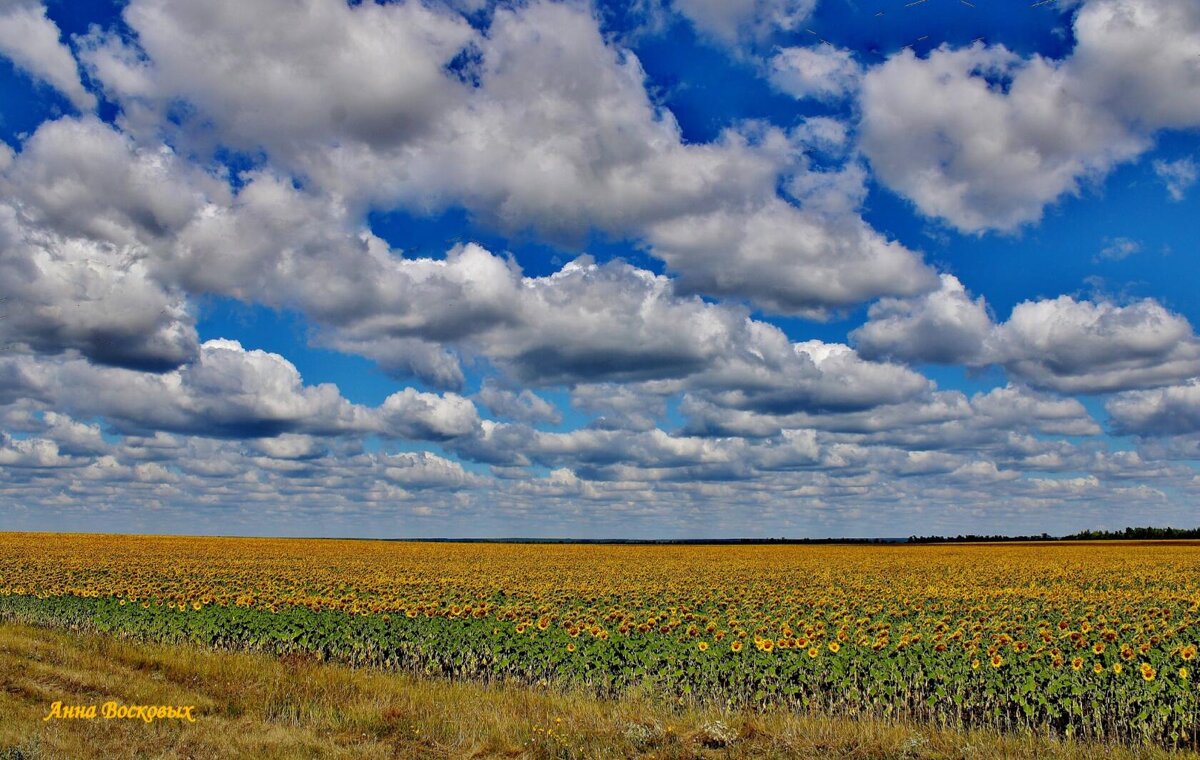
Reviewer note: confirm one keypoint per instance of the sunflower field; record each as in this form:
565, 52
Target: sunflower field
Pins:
1094, 640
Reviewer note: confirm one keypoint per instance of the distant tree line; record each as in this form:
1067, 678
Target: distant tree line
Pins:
1129, 534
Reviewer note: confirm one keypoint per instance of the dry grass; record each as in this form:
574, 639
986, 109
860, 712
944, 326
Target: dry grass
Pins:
257, 706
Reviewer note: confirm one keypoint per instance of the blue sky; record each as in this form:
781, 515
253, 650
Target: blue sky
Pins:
664, 269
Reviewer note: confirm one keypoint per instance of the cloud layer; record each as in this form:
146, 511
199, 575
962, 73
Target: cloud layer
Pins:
1061, 344
653, 316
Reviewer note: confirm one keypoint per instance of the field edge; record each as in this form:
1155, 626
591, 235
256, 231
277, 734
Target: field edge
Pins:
258, 705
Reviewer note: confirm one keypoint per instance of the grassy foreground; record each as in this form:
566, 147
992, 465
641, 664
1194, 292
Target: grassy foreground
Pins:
254, 705
1092, 642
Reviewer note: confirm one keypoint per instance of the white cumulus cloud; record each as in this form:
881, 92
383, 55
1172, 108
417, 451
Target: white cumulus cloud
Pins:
986, 139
